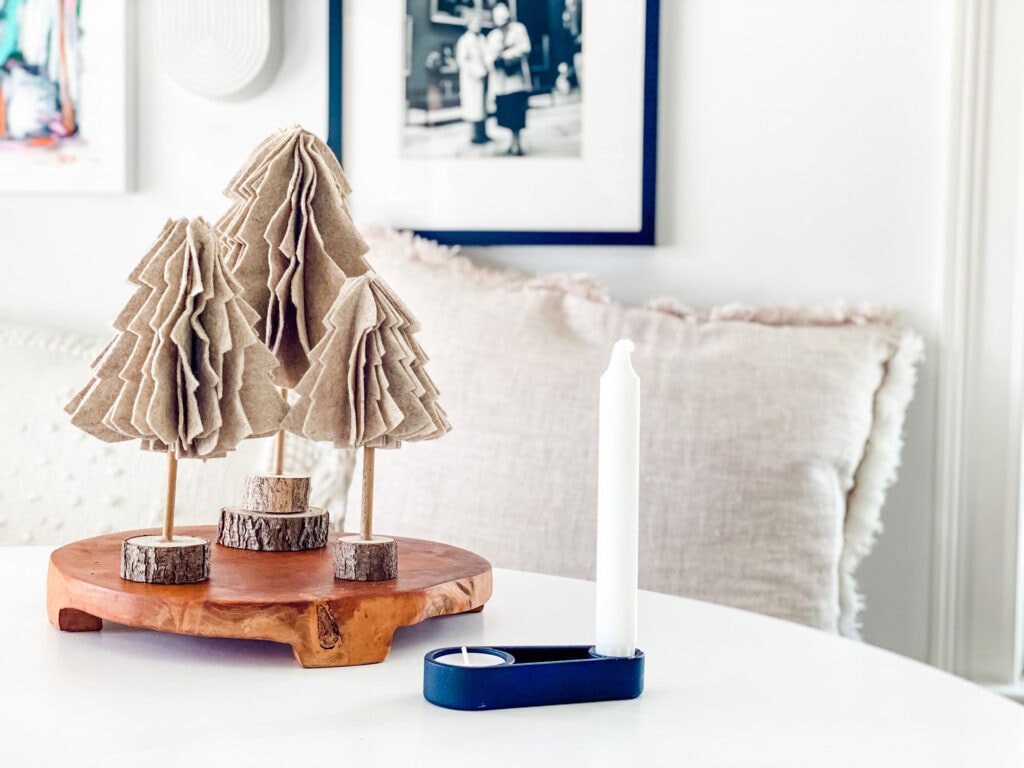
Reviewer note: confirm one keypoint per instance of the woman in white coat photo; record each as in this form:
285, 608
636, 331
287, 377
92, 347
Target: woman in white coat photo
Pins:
472, 58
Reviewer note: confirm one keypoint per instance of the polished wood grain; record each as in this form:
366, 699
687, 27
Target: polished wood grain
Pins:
287, 597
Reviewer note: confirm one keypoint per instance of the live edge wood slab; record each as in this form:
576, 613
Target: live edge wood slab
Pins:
287, 597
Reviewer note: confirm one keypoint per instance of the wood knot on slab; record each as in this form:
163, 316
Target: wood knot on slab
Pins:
326, 627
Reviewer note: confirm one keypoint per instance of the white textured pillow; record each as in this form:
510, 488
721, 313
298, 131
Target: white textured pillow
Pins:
768, 437
61, 484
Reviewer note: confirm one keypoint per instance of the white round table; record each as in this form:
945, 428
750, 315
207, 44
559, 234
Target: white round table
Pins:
723, 688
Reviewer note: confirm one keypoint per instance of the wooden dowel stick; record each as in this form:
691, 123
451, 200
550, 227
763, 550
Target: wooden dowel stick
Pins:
279, 445
172, 487
279, 454
366, 520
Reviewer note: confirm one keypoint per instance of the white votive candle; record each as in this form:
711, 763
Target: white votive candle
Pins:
470, 659
618, 505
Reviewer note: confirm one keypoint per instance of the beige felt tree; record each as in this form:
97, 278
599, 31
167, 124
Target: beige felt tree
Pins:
185, 374
367, 387
291, 242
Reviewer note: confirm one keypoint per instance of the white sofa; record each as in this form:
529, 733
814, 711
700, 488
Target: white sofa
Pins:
769, 437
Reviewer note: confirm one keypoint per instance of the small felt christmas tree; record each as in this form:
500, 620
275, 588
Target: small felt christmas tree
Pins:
187, 375
367, 387
291, 242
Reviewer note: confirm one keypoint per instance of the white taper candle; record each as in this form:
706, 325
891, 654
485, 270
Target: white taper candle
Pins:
618, 505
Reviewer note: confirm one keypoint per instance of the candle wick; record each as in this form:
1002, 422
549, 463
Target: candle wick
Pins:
465, 655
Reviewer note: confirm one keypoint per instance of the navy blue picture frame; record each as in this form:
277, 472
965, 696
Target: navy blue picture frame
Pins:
645, 235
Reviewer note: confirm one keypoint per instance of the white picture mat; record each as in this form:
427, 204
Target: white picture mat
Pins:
99, 161
599, 191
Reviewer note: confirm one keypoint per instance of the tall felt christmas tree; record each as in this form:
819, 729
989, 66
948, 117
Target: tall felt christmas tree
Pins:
186, 375
290, 241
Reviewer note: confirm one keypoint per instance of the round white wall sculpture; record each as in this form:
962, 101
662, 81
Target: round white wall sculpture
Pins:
220, 49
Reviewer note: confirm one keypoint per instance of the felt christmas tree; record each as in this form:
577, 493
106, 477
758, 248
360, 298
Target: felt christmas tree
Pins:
367, 387
291, 242
187, 375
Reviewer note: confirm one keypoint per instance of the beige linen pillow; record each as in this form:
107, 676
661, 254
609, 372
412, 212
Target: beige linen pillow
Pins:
768, 437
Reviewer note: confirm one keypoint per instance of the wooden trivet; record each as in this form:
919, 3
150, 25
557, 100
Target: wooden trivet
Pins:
287, 597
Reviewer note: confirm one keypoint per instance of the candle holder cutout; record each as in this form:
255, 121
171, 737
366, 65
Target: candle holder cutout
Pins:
185, 375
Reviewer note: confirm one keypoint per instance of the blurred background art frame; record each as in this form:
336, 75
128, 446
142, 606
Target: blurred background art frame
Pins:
490, 122
64, 96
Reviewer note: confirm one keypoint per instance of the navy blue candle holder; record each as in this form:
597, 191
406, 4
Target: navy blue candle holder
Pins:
531, 676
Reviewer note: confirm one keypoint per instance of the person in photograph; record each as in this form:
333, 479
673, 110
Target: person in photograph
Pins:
472, 59
509, 46
433, 66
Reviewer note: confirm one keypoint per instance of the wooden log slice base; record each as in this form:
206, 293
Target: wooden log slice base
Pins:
284, 494
155, 560
359, 559
326, 621
273, 532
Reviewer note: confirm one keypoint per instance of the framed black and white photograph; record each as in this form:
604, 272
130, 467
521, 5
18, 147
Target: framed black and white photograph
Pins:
486, 122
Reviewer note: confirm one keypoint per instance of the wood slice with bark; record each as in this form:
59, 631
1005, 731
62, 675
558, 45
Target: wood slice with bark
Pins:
155, 560
359, 559
273, 532
283, 494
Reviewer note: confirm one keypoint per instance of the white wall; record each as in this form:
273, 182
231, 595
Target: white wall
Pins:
802, 159
187, 149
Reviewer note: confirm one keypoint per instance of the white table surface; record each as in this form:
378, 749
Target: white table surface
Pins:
723, 688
